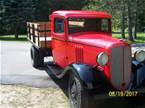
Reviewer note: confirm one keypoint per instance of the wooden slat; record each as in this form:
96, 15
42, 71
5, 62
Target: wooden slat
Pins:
38, 33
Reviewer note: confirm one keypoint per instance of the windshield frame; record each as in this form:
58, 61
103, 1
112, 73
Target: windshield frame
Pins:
109, 24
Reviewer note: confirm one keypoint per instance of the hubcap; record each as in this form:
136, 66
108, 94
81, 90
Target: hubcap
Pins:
74, 94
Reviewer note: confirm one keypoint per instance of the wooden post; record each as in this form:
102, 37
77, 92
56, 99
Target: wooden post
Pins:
33, 33
38, 28
29, 34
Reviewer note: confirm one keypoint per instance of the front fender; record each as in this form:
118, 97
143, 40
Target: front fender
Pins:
141, 74
84, 72
138, 73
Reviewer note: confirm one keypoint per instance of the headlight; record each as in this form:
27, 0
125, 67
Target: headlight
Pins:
102, 59
140, 56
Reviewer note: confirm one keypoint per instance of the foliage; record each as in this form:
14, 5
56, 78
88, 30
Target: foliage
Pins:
127, 14
15, 13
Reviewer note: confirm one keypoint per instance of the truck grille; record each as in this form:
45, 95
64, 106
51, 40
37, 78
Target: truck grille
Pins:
120, 66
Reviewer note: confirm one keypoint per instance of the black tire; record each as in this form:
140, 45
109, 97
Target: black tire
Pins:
36, 58
78, 95
49, 52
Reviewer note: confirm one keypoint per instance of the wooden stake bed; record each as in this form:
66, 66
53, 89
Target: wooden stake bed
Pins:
39, 34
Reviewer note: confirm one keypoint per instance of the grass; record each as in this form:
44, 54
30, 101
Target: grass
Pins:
12, 38
140, 38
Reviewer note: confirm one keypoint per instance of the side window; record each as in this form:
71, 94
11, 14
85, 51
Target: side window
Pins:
59, 25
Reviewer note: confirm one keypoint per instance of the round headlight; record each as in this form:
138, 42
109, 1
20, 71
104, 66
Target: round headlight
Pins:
140, 56
102, 59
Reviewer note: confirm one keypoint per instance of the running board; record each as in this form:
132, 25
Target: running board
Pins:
56, 70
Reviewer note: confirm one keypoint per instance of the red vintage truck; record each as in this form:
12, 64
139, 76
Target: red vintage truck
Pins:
83, 48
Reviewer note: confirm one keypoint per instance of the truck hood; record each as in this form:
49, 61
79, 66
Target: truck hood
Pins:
120, 60
102, 40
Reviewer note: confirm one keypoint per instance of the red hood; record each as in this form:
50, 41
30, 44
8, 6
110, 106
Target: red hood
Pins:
102, 40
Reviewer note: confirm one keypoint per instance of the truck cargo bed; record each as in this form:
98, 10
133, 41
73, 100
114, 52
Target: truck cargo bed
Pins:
39, 34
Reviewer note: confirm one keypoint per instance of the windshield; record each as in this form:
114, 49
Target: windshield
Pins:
77, 25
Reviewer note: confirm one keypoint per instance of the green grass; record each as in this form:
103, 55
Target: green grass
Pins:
12, 38
140, 37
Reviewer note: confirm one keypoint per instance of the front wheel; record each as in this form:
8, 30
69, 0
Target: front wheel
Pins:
78, 95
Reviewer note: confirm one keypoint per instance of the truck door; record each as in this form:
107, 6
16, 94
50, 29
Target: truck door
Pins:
59, 42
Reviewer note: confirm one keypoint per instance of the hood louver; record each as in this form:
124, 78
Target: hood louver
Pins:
79, 54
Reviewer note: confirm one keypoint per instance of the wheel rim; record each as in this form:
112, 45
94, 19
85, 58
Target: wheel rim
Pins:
74, 94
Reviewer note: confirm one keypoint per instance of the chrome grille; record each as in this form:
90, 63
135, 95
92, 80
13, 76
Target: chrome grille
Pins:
120, 66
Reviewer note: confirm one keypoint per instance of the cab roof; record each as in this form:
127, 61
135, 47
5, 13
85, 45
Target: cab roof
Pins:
81, 13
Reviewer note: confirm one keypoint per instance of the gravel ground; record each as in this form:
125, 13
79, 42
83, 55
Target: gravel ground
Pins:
12, 96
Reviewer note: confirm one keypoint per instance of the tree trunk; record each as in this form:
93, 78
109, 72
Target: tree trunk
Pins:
134, 27
135, 20
16, 34
129, 22
123, 21
16, 31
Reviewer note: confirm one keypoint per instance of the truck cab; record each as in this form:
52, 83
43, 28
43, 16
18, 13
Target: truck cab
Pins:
76, 28
82, 46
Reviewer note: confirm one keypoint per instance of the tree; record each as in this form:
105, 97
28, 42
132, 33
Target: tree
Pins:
15, 15
126, 14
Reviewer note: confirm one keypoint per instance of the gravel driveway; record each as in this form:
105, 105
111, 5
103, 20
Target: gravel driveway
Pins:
24, 86
16, 66
30, 97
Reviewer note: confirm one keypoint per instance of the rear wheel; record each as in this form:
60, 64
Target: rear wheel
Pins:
78, 95
36, 57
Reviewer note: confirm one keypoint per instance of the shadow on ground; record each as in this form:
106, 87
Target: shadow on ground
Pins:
117, 102
61, 83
